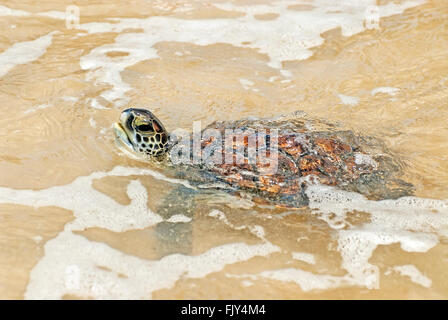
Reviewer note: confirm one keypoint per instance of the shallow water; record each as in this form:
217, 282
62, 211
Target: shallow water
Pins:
78, 219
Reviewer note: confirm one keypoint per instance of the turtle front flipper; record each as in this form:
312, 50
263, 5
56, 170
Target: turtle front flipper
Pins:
175, 235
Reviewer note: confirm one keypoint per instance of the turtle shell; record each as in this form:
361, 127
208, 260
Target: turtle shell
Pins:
295, 155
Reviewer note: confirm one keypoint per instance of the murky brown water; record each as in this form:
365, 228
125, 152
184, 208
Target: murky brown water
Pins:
80, 220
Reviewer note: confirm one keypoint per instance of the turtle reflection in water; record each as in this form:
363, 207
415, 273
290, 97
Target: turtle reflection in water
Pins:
298, 151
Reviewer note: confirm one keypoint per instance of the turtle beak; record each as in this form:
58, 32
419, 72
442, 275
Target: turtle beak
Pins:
121, 137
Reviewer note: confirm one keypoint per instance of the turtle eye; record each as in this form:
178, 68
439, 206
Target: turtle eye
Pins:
144, 127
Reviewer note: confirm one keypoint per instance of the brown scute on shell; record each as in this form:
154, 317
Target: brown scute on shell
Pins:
310, 165
290, 145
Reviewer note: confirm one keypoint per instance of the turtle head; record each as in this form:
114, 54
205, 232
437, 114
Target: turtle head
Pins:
139, 131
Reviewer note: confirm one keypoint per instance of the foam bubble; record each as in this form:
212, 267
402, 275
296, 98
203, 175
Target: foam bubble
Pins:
348, 100
246, 83
247, 283
92, 122
389, 90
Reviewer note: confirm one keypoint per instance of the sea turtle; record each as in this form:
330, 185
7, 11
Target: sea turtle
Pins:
298, 151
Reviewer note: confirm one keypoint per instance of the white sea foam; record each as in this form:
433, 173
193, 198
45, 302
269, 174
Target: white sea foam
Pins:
74, 265
24, 52
91, 207
305, 257
179, 218
5, 11
414, 223
246, 83
348, 100
389, 90
256, 230
306, 280
286, 73
413, 273
356, 247
410, 221
106, 273
247, 283
92, 122
288, 37
95, 104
